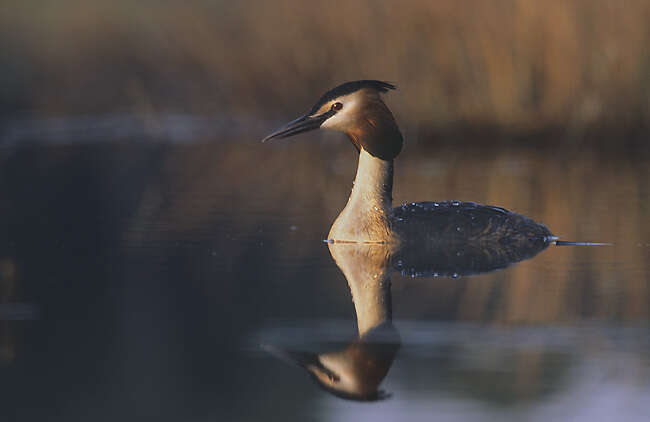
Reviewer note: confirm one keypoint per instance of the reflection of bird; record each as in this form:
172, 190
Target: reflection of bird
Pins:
357, 368
355, 371
357, 109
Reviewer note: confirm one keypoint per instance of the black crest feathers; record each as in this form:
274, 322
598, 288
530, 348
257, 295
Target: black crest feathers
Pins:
349, 88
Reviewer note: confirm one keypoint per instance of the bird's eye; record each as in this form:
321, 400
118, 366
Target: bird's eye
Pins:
337, 106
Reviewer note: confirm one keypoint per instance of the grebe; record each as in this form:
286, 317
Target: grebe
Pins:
357, 109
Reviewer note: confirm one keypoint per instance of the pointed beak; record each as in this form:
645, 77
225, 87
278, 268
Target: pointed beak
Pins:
300, 125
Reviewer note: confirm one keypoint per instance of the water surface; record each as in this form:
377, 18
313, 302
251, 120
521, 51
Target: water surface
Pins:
138, 278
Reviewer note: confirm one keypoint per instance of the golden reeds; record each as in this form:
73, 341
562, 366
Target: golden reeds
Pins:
521, 65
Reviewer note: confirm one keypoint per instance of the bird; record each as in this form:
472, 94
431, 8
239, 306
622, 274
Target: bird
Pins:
357, 109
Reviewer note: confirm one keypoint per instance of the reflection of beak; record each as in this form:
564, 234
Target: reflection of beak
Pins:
296, 358
300, 125
306, 360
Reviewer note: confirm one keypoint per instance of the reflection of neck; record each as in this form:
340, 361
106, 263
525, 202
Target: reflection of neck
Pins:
368, 274
367, 215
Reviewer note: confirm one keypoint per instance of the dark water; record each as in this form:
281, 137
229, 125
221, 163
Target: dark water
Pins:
139, 278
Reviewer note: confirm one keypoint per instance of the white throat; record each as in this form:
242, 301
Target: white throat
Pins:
367, 216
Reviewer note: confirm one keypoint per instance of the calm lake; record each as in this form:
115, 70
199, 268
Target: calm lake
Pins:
145, 278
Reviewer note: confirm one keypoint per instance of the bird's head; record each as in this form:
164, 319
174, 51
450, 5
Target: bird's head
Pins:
357, 109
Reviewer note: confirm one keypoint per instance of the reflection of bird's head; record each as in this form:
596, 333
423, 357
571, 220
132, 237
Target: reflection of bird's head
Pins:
353, 373
357, 109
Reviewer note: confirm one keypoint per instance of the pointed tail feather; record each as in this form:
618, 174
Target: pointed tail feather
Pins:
567, 243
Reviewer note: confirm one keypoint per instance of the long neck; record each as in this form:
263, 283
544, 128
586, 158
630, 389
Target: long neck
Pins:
367, 215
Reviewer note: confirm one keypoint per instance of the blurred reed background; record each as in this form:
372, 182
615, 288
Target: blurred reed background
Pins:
570, 71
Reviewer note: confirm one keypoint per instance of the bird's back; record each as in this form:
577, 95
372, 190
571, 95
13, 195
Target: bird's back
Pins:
453, 237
